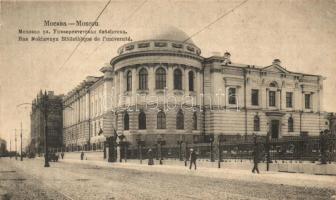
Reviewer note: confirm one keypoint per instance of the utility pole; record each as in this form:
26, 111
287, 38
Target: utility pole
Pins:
21, 142
15, 146
10, 147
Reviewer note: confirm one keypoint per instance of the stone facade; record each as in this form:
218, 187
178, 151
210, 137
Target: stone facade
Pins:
163, 89
54, 122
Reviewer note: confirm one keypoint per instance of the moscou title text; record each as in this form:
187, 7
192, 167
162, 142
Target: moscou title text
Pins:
61, 31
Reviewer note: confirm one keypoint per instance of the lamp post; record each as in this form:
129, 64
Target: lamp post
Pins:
21, 143
140, 144
180, 142
15, 146
160, 142
121, 145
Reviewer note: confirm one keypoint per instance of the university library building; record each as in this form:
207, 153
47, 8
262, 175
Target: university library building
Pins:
162, 91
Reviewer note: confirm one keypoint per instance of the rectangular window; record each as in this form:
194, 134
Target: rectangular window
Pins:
255, 97
289, 99
271, 98
307, 101
232, 96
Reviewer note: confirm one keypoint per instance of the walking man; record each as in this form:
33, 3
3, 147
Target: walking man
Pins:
255, 155
193, 158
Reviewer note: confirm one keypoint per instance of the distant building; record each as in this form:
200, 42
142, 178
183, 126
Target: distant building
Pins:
161, 88
54, 122
3, 147
332, 122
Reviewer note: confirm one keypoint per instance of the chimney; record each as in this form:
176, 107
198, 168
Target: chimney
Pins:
276, 62
50, 93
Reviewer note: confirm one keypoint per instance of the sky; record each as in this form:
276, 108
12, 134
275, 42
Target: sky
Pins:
302, 34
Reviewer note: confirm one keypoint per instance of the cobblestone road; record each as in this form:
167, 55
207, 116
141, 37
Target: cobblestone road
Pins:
30, 180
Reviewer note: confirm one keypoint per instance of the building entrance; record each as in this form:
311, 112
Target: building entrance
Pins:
275, 128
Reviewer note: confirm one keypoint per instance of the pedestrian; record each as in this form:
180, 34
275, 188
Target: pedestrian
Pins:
150, 157
193, 158
255, 155
82, 155
62, 155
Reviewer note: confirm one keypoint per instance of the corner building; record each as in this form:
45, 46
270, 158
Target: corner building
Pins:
163, 89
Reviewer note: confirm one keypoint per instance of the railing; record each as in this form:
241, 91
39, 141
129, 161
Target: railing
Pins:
290, 149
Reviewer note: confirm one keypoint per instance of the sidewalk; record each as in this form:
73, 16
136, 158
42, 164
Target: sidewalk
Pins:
293, 179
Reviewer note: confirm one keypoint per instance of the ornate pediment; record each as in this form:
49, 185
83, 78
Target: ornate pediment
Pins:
275, 69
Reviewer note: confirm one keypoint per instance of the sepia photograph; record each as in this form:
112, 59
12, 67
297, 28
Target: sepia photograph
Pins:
167, 99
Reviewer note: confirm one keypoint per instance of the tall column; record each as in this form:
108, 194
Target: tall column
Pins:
151, 79
170, 78
135, 86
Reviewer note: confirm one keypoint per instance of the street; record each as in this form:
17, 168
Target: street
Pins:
76, 180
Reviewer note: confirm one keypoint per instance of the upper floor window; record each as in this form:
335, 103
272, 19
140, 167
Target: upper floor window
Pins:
180, 120
126, 121
271, 98
161, 120
177, 79
290, 124
232, 96
129, 81
142, 120
256, 123
143, 77
307, 101
160, 78
289, 99
255, 97
191, 81
195, 121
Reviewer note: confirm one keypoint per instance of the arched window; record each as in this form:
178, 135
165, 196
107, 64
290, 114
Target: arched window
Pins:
290, 124
256, 123
195, 121
177, 79
142, 120
191, 81
126, 121
143, 76
160, 78
129, 81
180, 120
161, 120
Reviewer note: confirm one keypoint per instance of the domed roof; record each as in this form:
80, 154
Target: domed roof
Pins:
168, 33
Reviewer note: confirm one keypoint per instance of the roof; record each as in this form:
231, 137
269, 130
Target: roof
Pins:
167, 33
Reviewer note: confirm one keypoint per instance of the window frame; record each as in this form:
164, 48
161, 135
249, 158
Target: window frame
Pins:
272, 101
161, 120
308, 101
232, 100
254, 102
142, 121
178, 77
256, 123
290, 124
143, 79
126, 121
194, 120
160, 78
289, 99
129, 81
191, 81
180, 120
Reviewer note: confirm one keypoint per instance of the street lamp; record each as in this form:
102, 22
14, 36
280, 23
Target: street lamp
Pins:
160, 142
141, 143
180, 142
43, 105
